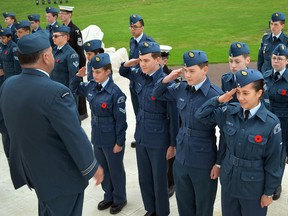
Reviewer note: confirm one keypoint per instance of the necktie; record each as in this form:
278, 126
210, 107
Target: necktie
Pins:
274, 39
192, 88
50, 28
135, 42
99, 87
276, 75
246, 114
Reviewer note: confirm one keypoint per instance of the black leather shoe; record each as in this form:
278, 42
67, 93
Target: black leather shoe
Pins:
133, 144
104, 205
171, 191
150, 214
116, 208
277, 193
84, 116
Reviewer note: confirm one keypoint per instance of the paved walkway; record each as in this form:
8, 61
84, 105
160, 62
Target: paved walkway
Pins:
23, 202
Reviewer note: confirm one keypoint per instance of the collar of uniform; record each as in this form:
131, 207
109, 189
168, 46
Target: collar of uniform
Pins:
65, 47
9, 44
156, 75
228, 76
70, 24
138, 39
205, 87
108, 86
285, 74
34, 71
262, 112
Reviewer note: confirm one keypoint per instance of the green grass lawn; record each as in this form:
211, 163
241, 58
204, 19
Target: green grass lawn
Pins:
209, 25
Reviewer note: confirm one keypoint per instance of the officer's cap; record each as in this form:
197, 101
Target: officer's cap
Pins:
194, 57
34, 17
93, 45
5, 32
51, 10
9, 14
68, 9
134, 18
278, 16
100, 60
164, 49
238, 48
33, 43
244, 77
280, 50
148, 47
22, 24
61, 28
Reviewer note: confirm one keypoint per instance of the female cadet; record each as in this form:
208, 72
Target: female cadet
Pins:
107, 104
8, 63
250, 170
92, 48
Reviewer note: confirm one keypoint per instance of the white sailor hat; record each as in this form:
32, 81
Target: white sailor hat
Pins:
66, 8
165, 49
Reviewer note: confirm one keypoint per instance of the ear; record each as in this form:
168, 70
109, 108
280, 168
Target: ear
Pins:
247, 60
259, 93
205, 69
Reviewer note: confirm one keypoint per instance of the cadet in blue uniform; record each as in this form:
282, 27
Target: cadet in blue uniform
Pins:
136, 26
92, 48
47, 148
66, 59
239, 58
51, 17
196, 166
250, 171
23, 28
107, 103
152, 134
10, 19
276, 81
8, 62
271, 40
76, 42
35, 22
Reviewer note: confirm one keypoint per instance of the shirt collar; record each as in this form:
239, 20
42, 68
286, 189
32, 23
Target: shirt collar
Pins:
139, 38
253, 110
198, 86
105, 82
281, 72
43, 72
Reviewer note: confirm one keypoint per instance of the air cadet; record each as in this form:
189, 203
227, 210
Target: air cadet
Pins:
66, 59
250, 171
239, 58
51, 17
107, 104
196, 166
276, 81
152, 129
76, 42
9, 64
35, 22
10, 19
23, 28
271, 40
136, 26
92, 48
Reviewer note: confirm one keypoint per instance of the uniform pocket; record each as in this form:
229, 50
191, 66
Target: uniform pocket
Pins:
181, 104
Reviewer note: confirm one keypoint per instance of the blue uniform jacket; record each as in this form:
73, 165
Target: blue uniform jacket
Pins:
266, 48
196, 142
108, 119
152, 121
50, 31
8, 63
251, 166
276, 95
66, 64
228, 83
39, 28
48, 149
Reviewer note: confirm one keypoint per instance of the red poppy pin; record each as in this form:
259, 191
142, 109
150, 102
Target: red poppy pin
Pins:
283, 92
104, 105
258, 138
6, 53
58, 60
153, 98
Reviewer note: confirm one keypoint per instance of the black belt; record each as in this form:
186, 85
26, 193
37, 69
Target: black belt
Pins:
198, 133
244, 163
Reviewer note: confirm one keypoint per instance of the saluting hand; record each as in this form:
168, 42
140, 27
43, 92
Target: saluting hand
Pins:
227, 96
81, 72
99, 175
117, 149
172, 76
131, 63
265, 201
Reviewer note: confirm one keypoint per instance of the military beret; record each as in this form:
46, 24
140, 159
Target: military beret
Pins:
33, 43
9, 14
51, 10
148, 47
61, 28
22, 24
164, 49
135, 18
5, 32
244, 77
66, 8
238, 48
280, 50
278, 16
100, 60
194, 57
93, 45
34, 17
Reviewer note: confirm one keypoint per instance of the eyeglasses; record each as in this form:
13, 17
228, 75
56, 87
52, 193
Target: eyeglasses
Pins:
278, 59
134, 27
56, 36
